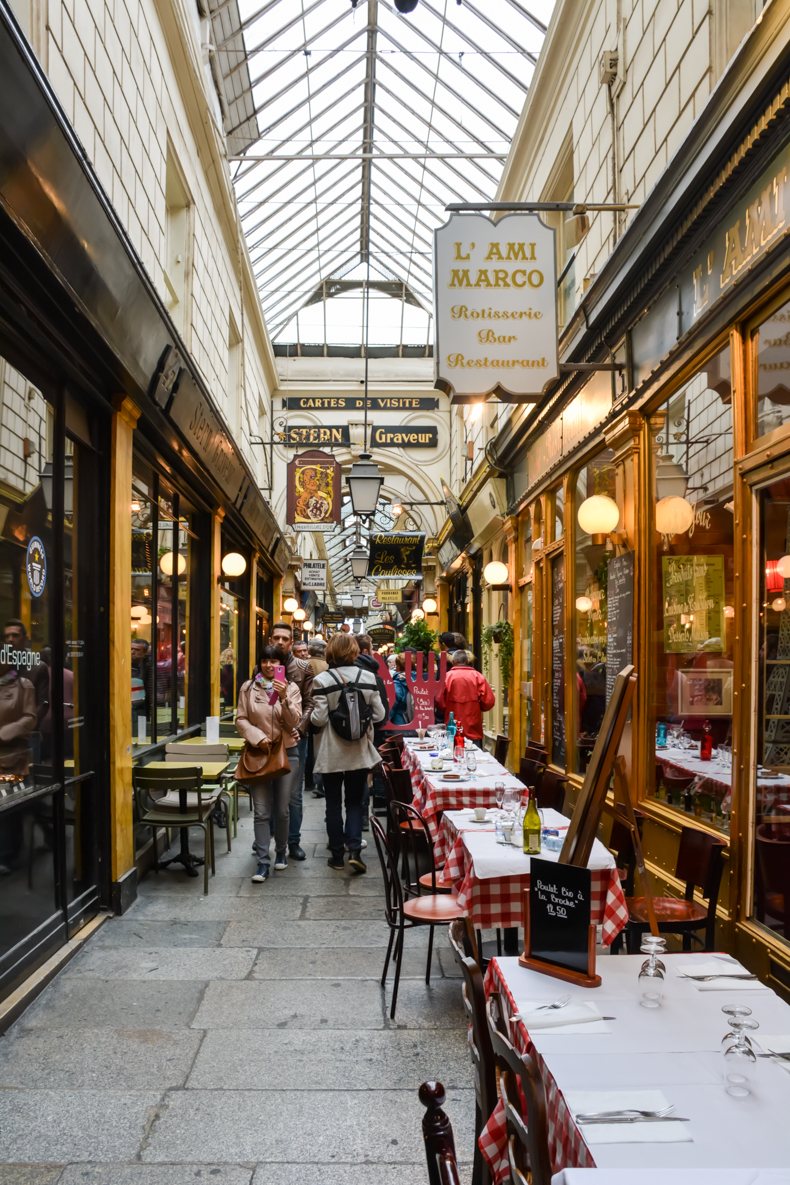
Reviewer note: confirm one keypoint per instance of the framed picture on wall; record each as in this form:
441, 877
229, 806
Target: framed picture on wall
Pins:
705, 692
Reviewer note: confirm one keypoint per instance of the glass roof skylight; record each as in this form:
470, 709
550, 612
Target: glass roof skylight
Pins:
369, 124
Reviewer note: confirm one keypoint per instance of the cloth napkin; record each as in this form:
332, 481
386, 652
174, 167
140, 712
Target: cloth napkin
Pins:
573, 1018
723, 967
589, 1101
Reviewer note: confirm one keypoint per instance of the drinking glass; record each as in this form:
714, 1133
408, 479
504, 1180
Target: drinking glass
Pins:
471, 760
737, 1015
740, 1060
510, 801
651, 975
499, 794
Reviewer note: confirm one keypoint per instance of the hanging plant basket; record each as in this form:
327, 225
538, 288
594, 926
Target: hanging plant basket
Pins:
499, 634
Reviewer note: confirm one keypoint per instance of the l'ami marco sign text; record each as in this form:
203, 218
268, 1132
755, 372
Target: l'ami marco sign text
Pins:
496, 314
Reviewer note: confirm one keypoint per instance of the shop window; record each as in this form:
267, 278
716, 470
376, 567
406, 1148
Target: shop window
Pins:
525, 673
771, 864
228, 651
558, 498
771, 353
594, 552
691, 679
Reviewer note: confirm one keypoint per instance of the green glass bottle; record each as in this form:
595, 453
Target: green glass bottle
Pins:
532, 827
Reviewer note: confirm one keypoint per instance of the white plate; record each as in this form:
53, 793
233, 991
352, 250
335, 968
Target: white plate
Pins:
487, 819
455, 777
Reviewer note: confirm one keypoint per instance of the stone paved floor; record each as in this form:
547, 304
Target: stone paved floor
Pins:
238, 1038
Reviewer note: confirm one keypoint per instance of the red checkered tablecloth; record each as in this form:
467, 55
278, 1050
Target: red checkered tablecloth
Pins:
432, 796
566, 1143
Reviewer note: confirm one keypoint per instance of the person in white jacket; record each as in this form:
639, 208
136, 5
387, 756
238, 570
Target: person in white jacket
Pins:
343, 763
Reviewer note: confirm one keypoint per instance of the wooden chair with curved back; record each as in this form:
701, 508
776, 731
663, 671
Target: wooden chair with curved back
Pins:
536, 751
437, 1132
429, 909
551, 790
699, 865
391, 754
414, 846
501, 746
531, 771
527, 1137
474, 997
773, 883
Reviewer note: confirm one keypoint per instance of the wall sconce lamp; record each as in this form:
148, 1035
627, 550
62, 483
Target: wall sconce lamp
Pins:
674, 515
299, 615
598, 516
417, 615
430, 606
233, 564
496, 574
170, 562
308, 627
290, 604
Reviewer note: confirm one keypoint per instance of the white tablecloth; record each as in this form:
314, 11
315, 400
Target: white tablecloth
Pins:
492, 859
649, 1176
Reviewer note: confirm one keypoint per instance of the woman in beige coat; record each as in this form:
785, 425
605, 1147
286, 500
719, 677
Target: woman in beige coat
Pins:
267, 708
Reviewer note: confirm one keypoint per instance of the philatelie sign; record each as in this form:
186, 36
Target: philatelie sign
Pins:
313, 574
495, 305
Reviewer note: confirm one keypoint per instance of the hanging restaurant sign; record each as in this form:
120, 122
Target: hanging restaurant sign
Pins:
425, 436
357, 403
397, 553
300, 434
495, 305
313, 492
390, 596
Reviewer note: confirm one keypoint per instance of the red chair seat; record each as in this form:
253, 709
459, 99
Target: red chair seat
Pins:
426, 882
432, 909
774, 903
667, 909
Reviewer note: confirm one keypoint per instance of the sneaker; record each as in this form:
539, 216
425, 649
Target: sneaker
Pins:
280, 862
261, 874
362, 844
336, 863
296, 853
357, 864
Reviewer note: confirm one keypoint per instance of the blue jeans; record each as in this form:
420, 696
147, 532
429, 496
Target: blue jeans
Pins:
350, 837
296, 806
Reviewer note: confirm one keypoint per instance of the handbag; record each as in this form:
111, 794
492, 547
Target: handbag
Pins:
261, 764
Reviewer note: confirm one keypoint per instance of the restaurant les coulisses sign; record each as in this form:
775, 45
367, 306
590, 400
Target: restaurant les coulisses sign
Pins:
495, 305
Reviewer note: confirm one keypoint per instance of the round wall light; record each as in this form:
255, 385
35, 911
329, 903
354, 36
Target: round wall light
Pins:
598, 515
584, 604
496, 572
430, 605
290, 605
729, 611
673, 515
234, 564
779, 604
417, 615
139, 611
169, 563
783, 567
299, 615
308, 627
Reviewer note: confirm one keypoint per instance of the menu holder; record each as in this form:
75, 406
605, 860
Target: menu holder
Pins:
559, 934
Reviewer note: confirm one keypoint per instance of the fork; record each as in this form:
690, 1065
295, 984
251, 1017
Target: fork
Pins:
625, 1113
719, 975
560, 1003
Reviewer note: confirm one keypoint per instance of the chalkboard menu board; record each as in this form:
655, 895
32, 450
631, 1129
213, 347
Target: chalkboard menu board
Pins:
558, 748
558, 923
620, 617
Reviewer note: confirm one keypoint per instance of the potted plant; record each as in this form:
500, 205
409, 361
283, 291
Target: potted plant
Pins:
416, 636
500, 634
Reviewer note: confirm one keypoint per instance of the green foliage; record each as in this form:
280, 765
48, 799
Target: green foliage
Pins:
416, 636
499, 634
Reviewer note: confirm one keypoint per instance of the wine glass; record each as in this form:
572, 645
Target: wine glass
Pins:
471, 760
740, 1060
737, 1015
651, 975
499, 794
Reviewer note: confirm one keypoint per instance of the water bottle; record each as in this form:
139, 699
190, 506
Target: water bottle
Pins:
661, 734
450, 729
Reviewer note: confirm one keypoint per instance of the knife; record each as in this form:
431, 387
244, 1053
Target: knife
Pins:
585, 1122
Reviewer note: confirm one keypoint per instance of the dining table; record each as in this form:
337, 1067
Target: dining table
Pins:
452, 786
490, 876
598, 1050
715, 776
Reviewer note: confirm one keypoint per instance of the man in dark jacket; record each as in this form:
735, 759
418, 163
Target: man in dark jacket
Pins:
367, 662
301, 673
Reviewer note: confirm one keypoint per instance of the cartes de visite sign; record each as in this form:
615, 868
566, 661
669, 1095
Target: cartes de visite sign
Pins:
357, 403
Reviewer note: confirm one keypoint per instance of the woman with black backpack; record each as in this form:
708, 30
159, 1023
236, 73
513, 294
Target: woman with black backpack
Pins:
347, 705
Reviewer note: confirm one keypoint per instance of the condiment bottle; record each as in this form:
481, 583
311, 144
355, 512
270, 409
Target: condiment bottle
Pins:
532, 827
458, 744
706, 743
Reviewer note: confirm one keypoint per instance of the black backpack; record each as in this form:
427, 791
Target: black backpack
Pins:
352, 716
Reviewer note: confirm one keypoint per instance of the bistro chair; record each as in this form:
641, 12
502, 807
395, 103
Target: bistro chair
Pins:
227, 805
501, 746
176, 801
426, 910
437, 1132
531, 770
178, 750
414, 845
519, 1078
391, 754
474, 998
773, 879
535, 750
699, 865
550, 789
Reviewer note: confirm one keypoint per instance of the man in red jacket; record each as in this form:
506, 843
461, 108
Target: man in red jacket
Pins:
467, 694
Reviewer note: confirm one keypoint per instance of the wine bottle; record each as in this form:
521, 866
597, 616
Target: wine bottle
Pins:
706, 743
532, 827
458, 743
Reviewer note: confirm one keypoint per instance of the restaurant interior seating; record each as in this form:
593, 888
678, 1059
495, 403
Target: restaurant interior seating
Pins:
699, 865
428, 909
676, 785
437, 1133
176, 801
501, 746
411, 841
474, 999
527, 1141
773, 879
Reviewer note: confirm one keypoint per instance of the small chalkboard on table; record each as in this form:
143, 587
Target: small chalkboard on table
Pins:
559, 933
